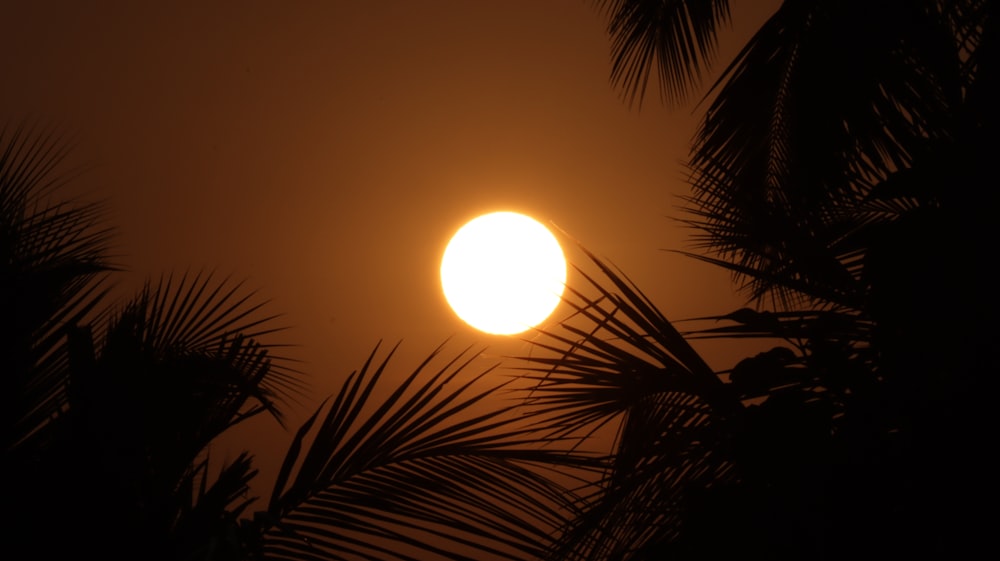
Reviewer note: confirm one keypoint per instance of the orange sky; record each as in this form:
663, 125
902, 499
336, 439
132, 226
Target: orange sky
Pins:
327, 150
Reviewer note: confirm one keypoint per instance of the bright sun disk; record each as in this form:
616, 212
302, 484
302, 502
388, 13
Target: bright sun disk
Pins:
503, 273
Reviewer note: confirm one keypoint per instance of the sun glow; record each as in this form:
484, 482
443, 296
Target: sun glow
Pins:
503, 273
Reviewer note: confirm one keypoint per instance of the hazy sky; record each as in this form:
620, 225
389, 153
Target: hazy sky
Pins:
326, 151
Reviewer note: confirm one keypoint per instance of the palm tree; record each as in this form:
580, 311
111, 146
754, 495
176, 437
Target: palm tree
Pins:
112, 410
809, 141
825, 212
698, 454
175, 368
839, 164
51, 263
432, 472
620, 362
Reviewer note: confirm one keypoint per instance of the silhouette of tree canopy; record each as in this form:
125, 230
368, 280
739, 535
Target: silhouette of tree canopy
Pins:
841, 174
109, 413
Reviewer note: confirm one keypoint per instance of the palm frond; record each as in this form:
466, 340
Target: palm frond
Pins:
675, 39
153, 402
197, 318
435, 471
796, 327
142, 407
207, 524
821, 105
619, 361
52, 259
624, 351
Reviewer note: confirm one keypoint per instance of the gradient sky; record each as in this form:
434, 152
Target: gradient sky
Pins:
326, 151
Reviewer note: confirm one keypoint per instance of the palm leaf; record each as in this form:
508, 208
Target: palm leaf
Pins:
173, 369
52, 259
779, 183
434, 471
213, 325
168, 373
620, 361
143, 405
207, 522
675, 39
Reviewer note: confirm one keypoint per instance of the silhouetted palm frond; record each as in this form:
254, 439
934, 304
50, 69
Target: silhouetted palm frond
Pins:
845, 156
621, 362
52, 256
673, 38
795, 327
435, 471
149, 389
181, 363
123, 421
207, 527
825, 103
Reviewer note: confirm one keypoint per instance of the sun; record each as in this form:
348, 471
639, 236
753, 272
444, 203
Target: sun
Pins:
503, 273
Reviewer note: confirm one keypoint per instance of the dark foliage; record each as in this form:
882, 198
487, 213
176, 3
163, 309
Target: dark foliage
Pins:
110, 413
842, 174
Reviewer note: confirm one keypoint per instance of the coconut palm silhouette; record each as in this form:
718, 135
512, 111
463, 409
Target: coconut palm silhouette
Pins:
841, 161
110, 411
840, 165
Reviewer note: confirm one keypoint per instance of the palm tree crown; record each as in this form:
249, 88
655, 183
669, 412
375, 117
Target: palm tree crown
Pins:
841, 161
